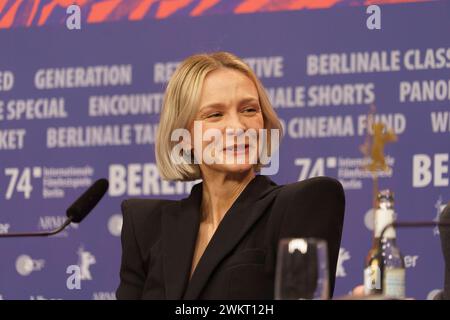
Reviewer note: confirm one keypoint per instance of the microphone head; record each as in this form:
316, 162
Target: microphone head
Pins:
445, 214
87, 201
444, 232
445, 217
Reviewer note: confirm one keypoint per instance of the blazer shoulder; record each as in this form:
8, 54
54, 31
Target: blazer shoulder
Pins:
140, 231
311, 194
314, 208
322, 182
143, 208
144, 215
320, 185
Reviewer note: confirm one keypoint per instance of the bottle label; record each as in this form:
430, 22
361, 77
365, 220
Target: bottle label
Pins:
394, 283
372, 279
383, 217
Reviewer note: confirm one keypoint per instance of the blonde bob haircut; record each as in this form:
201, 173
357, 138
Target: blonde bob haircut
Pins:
181, 103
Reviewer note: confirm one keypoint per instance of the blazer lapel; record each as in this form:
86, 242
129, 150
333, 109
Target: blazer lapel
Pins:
241, 216
180, 223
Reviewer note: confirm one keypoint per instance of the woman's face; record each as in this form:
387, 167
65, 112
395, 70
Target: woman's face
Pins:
229, 105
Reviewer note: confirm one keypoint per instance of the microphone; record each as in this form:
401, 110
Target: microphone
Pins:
87, 201
75, 213
443, 224
445, 245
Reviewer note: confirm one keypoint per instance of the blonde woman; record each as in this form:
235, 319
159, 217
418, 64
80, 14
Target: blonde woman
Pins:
220, 242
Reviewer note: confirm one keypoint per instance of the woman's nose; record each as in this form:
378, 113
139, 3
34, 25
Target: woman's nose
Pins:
235, 124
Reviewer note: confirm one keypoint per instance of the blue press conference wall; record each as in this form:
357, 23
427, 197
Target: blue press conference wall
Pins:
46, 163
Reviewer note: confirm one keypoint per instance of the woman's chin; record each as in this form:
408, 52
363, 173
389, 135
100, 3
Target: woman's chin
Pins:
235, 168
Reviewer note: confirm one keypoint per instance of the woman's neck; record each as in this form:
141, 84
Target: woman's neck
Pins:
219, 194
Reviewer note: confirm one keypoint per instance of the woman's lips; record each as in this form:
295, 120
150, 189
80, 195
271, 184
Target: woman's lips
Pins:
237, 148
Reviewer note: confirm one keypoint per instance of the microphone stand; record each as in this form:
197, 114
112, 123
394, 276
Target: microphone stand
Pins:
38, 234
413, 224
76, 212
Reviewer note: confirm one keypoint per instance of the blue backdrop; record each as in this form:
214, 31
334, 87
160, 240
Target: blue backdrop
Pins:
79, 105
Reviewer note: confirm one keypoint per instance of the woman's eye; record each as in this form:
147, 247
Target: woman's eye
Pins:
214, 115
250, 110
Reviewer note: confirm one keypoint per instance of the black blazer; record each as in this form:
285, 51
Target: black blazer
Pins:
159, 236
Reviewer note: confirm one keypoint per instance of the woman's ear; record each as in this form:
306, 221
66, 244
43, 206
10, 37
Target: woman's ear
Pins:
187, 146
187, 151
